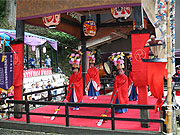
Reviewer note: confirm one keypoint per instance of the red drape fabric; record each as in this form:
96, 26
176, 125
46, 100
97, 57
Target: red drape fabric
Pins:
156, 74
139, 68
17, 70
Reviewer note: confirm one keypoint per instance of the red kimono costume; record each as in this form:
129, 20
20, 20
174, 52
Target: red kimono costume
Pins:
75, 93
132, 93
92, 82
121, 97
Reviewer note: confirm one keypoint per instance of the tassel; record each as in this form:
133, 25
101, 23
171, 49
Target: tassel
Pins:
3, 57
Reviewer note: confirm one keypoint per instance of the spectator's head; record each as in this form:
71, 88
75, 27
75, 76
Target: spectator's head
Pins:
54, 79
49, 82
43, 87
32, 85
24, 90
47, 56
37, 84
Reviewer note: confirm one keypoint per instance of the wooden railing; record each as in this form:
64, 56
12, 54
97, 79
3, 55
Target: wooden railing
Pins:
67, 116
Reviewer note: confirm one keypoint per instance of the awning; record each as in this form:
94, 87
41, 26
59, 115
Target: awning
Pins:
31, 39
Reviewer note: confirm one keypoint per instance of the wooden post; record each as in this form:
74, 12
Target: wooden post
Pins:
83, 48
144, 114
19, 37
169, 77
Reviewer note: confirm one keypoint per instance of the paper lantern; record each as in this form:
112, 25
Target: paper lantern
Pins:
52, 21
89, 28
121, 12
33, 48
44, 49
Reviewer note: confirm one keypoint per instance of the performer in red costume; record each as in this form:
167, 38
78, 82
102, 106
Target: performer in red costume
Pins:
75, 88
120, 83
92, 79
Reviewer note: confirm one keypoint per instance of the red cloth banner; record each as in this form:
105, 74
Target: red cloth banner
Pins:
156, 74
139, 68
37, 72
17, 70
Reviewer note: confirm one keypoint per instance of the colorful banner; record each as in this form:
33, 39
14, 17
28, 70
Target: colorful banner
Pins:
37, 72
17, 70
6, 71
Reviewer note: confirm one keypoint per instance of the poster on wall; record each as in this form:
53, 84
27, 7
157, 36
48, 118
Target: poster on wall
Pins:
6, 71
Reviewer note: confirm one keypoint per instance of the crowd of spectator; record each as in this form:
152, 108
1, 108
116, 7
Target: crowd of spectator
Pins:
46, 82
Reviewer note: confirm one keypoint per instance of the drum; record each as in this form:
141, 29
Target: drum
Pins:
104, 69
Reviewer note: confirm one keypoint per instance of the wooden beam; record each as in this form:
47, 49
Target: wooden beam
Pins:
101, 11
117, 24
119, 34
70, 22
98, 42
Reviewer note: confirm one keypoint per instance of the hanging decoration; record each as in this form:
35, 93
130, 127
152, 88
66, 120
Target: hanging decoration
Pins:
118, 12
52, 21
89, 27
44, 49
33, 48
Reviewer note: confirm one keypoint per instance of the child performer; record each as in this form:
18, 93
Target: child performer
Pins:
75, 88
120, 83
92, 78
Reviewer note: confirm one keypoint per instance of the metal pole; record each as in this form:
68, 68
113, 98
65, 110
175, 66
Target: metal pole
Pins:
27, 56
51, 56
40, 52
169, 77
57, 60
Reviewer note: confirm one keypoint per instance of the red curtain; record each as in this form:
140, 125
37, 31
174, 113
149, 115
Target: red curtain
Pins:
139, 68
17, 70
156, 74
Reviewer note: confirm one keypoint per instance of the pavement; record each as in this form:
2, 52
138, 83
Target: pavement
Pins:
4, 131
